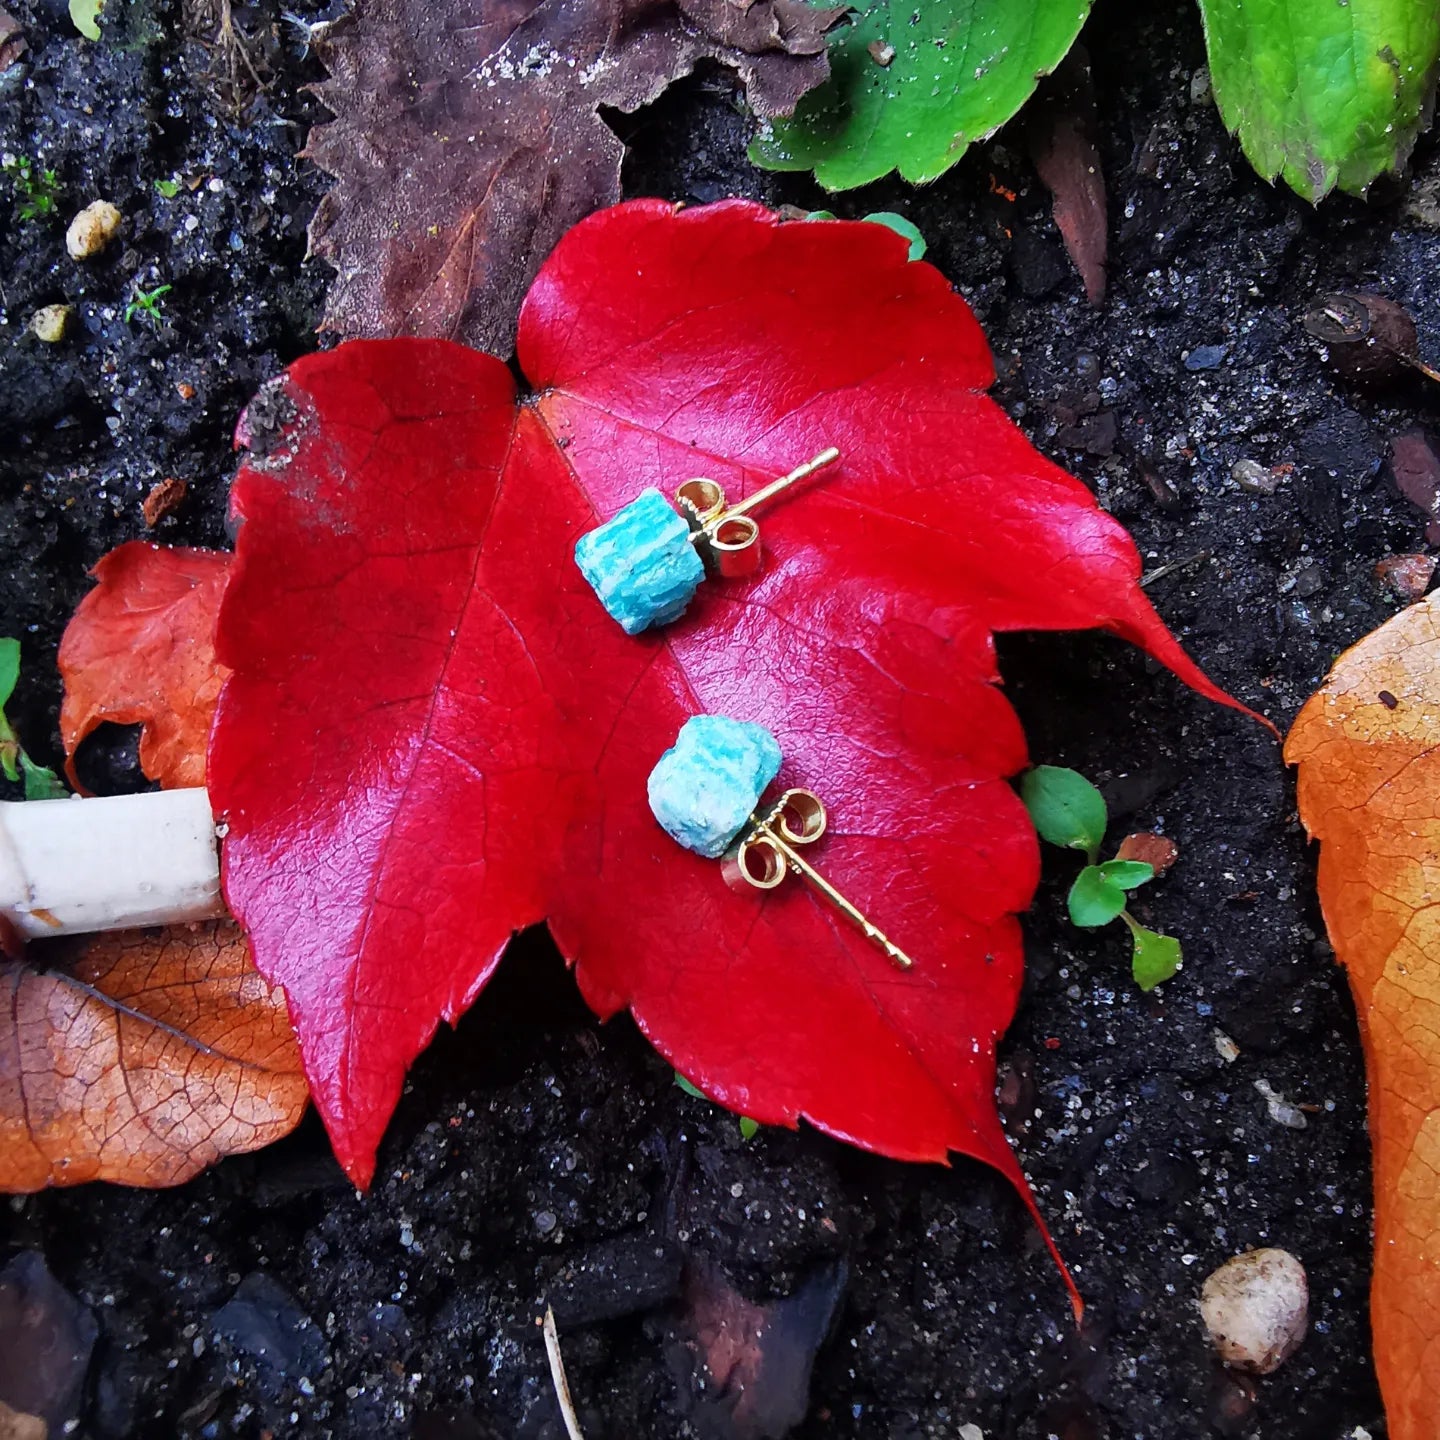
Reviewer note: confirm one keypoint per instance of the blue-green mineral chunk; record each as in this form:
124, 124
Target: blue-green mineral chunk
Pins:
708, 782
641, 563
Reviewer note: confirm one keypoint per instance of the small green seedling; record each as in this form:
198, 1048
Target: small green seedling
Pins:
891, 221
85, 16
1068, 810
167, 189
36, 188
748, 1128
40, 783
147, 304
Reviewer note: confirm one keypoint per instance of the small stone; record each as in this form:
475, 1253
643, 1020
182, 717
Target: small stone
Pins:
1256, 1308
92, 229
50, 322
1409, 576
164, 499
1225, 1047
641, 564
705, 786
263, 1321
1252, 475
17, 1425
880, 52
545, 1221
1206, 357
46, 1340
1200, 88
1281, 1111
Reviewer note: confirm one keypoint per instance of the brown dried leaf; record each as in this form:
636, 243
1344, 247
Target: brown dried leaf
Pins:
1368, 747
1159, 852
1062, 145
141, 1057
140, 650
12, 39
466, 138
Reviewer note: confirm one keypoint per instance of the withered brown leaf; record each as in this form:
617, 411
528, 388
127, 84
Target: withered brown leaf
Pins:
140, 650
141, 1057
467, 138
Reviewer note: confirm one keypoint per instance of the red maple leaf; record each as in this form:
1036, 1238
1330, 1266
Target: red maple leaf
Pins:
434, 735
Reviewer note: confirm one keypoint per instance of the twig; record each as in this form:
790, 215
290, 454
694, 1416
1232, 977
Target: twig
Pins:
1161, 571
557, 1374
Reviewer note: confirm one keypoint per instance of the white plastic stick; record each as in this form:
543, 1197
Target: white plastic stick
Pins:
108, 864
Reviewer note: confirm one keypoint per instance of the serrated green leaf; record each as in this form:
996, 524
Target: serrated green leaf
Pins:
1156, 957
1094, 900
41, 783
957, 70
1323, 92
1066, 808
1127, 874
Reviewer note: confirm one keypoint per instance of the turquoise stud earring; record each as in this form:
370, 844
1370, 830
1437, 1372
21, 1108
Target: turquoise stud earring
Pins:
646, 562
705, 792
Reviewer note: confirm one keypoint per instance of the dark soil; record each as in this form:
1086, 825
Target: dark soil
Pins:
538, 1154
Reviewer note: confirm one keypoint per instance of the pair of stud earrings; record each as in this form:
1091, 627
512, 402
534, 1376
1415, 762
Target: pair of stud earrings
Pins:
645, 565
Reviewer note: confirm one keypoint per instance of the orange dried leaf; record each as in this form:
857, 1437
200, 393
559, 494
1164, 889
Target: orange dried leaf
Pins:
1368, 747
140, 650
146, 1056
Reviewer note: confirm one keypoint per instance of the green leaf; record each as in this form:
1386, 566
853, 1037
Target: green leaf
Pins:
1093, 899
169, 189
1127, 874
86, 15
688, 1088
1156, 958
749, 1128
1066, 808
955, 71
902, 227
9, 669
1323, 92
10, 751
41, 783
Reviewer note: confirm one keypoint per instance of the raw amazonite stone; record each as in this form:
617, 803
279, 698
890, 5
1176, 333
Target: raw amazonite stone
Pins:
641, 564
708, 782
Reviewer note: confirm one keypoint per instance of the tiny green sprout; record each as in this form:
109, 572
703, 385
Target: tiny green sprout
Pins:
147, 303
85, 16
167, 189
40, 783
748, 1128
891, 221
35, 187
1069, 811
903, 228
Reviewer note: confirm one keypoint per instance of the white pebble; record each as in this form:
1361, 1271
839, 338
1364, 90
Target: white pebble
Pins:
50, 322
92, 229
1256, 1308
1281, 1110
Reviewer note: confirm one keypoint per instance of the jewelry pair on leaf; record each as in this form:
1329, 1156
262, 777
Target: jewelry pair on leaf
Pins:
645, 565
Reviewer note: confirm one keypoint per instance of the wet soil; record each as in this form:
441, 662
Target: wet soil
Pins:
539, 1155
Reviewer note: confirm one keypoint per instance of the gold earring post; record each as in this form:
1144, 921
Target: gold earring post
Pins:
819, 462
727, 537
773, 840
